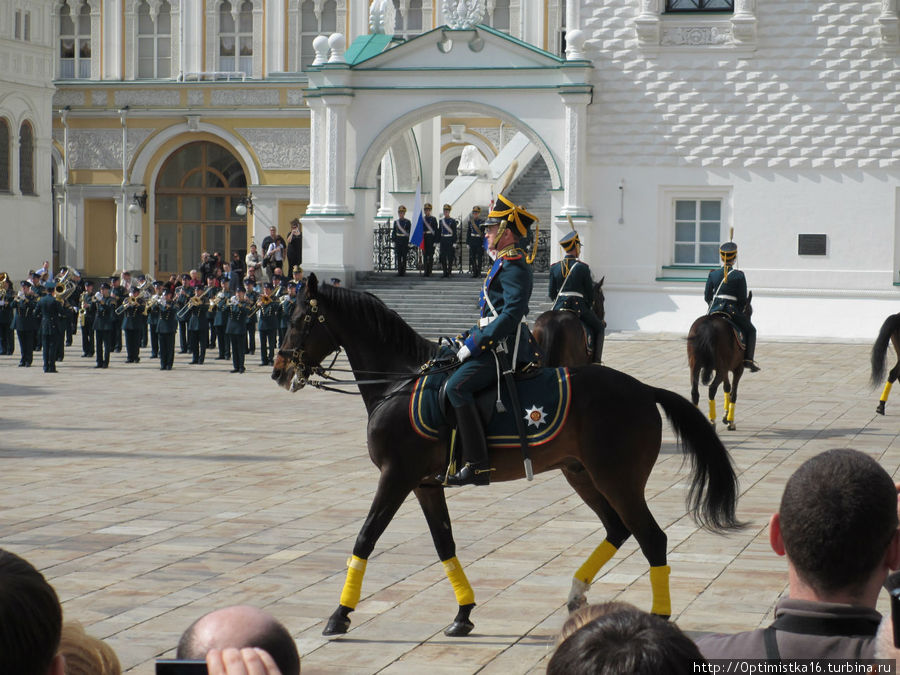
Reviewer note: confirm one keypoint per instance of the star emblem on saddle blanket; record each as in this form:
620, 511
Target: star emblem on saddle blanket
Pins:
535, 416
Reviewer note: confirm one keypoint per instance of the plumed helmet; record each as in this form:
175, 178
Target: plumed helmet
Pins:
569, 241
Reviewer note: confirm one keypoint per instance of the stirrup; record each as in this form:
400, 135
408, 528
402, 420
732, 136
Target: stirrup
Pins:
468, 475
751, 365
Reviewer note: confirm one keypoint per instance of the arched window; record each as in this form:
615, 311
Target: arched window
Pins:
408, 18
4, 155
312, 25
498, 15
196, 193
236, 38
26, 159
154, 42
452, 170
74, 42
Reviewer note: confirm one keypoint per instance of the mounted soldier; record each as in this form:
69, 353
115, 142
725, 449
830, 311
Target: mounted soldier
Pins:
572, 288
500, 338
726, 293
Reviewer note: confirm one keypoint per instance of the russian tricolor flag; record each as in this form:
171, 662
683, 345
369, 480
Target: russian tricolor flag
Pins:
417, 236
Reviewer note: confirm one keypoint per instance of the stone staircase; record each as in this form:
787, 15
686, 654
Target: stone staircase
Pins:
532, 191
435, 306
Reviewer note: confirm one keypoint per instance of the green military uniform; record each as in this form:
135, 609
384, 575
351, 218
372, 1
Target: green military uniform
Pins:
726, 293
475, 240
104, 327
86, 315
26, 323
504, 305
572, 288
447, 237
52, 315
7, 313
239, 309
220, 321
166, 327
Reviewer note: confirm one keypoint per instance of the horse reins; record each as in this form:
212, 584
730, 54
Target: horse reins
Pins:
295, 359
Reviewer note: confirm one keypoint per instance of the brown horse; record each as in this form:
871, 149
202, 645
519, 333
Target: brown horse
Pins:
890, 332
606, 448
563, 337
714, 352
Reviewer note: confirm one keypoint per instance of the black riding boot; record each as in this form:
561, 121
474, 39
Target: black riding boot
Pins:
750, 349
477, 469
599, 337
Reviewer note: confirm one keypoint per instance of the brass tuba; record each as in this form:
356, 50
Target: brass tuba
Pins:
64, 287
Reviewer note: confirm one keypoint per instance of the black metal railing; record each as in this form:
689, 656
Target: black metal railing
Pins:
384, 257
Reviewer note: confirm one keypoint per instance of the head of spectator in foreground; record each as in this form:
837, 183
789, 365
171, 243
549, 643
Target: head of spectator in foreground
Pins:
587, 613
240, 626
85, 654
626, 641
837, 525
30, 620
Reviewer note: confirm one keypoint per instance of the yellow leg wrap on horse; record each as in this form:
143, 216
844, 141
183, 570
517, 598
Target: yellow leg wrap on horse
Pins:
461, 587
659, 585
727, 401
712, 409
730, 411
887, 390
356, 568
595, 561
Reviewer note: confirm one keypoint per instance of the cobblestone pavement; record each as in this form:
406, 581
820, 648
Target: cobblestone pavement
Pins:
148, 498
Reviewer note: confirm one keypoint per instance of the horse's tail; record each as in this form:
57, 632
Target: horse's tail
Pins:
712, 498
890, 325
703, 345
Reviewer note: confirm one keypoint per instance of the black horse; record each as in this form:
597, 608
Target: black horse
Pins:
713, 352
562, 336
606, 449
890, 332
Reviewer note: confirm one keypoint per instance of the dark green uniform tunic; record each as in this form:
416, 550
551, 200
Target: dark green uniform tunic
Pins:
729, 296
572, 288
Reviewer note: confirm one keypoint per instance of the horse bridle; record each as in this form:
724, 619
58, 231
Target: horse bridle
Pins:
294, 357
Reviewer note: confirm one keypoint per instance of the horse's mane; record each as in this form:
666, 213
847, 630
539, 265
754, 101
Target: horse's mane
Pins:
379, 322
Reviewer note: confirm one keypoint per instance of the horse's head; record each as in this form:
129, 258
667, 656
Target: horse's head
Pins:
598, 301
307, 342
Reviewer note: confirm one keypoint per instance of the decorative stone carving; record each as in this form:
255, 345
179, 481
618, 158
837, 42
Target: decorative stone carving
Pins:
195, 97
473, 163
147, 97
382, 17
279, 148
102, 148
463, 14
64, 97
295, 96
575, 45
320, 46
696, 36
244, 97
338, 45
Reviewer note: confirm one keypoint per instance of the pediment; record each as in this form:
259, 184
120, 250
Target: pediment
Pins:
493, 50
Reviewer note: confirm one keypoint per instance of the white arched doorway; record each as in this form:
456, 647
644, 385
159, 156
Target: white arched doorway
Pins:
354, 117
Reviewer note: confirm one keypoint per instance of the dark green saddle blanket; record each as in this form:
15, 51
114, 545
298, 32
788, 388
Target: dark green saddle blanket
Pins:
544, 399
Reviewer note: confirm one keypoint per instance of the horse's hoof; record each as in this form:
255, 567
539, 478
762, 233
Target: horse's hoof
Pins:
339, 622
725, 419
880, 408
731, 426
459, 628
575, 605
664, 617
461, 625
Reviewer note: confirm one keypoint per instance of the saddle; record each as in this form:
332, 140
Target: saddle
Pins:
738, 333
544, 396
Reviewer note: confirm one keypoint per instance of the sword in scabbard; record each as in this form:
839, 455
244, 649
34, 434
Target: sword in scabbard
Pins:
508, 377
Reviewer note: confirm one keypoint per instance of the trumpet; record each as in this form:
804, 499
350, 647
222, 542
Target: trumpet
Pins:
193, 302
4, 277
264, 301
130, 301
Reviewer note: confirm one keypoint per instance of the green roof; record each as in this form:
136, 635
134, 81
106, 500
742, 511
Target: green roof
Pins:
366, 46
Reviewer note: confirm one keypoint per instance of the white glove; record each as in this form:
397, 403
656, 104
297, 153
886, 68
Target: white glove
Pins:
463, 353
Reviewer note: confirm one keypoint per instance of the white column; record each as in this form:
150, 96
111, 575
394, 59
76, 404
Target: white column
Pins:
647, 23
888, 22
336, 154
387, 206
316, 153
14, 186
576, 141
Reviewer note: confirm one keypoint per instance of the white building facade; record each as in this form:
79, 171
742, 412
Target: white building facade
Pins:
662, 124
